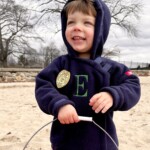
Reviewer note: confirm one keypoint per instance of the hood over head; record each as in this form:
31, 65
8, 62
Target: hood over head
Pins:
102, 25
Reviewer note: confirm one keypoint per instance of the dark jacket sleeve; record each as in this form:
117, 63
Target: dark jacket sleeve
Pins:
47, 95
125, 88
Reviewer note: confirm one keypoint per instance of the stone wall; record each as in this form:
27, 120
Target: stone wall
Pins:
28, 75
18, 74
142, 72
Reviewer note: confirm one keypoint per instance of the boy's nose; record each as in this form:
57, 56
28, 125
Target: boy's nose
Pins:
77, 27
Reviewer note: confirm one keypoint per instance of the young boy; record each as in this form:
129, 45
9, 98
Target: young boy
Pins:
82, 83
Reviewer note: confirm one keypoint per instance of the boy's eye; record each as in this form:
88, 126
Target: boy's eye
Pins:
89, 23
70, 22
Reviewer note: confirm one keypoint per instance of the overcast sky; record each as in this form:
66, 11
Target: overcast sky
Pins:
135, 49
131, 48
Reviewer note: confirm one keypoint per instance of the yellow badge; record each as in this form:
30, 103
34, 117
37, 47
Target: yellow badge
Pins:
62, 78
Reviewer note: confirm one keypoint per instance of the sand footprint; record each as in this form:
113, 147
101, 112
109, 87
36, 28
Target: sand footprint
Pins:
10, 138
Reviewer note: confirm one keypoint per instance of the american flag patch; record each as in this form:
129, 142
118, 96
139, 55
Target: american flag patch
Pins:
128, 73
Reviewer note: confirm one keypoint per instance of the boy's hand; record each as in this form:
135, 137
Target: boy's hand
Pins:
67, 114
101, 102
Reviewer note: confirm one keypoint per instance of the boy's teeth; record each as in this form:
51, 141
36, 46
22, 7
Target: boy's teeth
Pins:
77, 38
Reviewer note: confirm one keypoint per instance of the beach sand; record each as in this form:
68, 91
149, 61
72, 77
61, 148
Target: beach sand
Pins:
20, 118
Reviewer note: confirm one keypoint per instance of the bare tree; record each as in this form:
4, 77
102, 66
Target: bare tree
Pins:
113, 52
124, 12
22, 60
15, 29
49, 53
63, 49
28, 58
11, 61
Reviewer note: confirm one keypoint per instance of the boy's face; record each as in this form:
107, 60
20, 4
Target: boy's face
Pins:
80, 32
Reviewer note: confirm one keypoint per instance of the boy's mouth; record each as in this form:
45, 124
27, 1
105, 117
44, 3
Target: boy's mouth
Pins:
78, 38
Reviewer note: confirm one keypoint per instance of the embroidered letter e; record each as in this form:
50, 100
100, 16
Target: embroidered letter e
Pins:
80, 86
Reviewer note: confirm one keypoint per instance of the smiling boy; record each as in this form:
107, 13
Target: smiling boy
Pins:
82, 83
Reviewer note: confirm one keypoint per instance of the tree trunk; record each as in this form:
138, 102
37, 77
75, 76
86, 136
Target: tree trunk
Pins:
4, 63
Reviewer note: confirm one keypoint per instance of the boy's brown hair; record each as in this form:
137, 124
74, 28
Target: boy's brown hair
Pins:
84, 6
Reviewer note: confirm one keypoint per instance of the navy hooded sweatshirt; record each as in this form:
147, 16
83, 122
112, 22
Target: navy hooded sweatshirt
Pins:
88, 77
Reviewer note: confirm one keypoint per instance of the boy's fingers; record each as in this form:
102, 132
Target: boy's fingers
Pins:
94, 99
71, 120
106, 107
67, 120
98, 103
76, 119
63, 121
100, 107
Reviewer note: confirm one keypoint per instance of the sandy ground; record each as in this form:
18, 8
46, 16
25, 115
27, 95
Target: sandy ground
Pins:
20, 117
